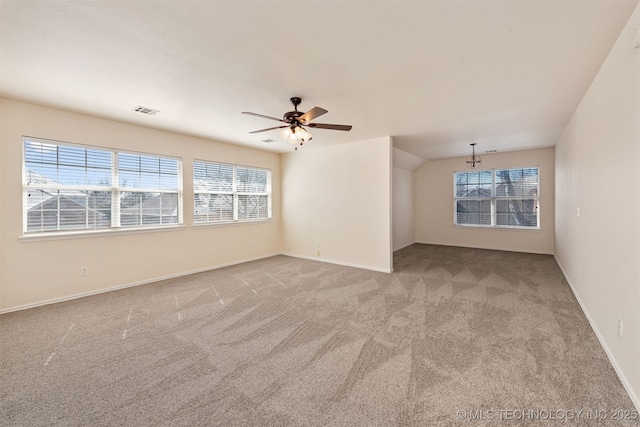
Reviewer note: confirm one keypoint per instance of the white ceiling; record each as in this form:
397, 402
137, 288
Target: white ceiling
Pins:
435, 75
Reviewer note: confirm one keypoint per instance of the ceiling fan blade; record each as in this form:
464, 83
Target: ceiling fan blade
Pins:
328, 126
312, 114
263, 116
264, 130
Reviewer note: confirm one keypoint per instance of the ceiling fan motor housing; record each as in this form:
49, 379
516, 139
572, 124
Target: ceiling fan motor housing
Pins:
292, 116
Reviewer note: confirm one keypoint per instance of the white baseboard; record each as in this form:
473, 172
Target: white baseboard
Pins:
527, 251
346, 264
603, 343
173, 276
129, 285
616, 367
403, 246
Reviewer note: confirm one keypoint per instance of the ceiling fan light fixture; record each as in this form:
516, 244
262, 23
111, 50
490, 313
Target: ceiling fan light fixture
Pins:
285, 133
301, 134
293, 131
288, 135
294, 134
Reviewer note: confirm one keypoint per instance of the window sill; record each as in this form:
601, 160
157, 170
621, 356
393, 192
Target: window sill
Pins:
502, 228
231, 223
63, 235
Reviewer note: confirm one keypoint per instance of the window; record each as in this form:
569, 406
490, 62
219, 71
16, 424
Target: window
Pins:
498, 198
73, 188
228, 193
148, 189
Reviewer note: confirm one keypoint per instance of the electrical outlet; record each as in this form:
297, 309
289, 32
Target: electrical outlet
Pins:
250, 243
571, 263
578, 211
317, 253
84, 271
620, 327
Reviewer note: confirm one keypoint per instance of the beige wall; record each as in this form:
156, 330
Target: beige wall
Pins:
404, 165
598, 171
434, 205
403, 209
39, 271
337, 200
347, 211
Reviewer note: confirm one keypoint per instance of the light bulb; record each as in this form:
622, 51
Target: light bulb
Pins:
287, 135
284, 133
302, 134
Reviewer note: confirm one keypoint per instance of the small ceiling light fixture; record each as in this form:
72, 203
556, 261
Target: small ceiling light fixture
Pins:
474, 160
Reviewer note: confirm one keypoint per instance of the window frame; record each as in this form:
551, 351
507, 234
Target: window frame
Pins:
494, 198
114, 189
235, 193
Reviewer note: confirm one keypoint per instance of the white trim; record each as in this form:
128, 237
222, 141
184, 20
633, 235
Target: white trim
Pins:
527, 251
404, 246
129, 285
115, 188
85, 234
612, 360
234, 193
230, 223
390, 203
497, 227
173, 276
495, 198
346, 264
634, 397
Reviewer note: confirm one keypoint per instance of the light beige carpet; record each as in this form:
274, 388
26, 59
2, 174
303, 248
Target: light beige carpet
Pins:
284, 341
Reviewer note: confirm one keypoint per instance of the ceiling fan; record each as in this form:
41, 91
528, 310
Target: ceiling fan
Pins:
293, 130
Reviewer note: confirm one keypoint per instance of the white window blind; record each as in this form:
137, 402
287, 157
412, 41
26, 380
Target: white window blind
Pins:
473, 191
148, 190
73, 188
498, 198
228, 193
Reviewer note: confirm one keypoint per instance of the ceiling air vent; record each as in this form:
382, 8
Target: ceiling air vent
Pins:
145, 110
